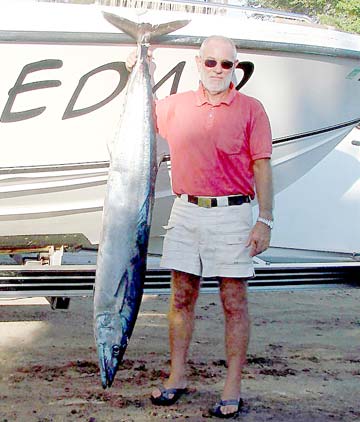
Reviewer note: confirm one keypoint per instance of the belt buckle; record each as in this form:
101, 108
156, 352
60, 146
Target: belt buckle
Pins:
204, 202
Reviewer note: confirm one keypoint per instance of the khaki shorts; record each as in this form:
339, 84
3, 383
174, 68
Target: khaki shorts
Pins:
209, 242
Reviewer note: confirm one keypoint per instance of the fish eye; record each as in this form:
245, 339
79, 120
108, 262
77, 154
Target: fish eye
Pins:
116, 350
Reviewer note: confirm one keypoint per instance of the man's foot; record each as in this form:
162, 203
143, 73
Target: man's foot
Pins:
167, 396
227, 409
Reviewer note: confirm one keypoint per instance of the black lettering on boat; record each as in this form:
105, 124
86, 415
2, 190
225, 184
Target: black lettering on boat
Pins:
8, 115
248, 69
177, 71
118, 67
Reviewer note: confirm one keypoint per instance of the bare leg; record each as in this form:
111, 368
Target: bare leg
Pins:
233, 293
185, 291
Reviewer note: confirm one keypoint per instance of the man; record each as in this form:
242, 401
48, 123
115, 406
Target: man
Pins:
220, 148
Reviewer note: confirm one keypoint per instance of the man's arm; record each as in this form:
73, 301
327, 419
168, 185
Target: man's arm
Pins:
259, 238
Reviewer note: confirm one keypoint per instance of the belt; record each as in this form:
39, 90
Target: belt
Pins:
222, 201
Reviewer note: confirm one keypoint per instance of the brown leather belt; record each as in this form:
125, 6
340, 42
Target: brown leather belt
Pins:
208, 202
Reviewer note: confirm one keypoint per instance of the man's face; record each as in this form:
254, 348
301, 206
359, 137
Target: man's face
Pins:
216, 66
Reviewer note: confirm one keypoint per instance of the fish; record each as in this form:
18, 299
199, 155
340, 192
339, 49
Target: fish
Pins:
128, 204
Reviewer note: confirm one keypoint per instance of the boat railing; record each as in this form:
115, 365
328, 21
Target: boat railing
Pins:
209, 7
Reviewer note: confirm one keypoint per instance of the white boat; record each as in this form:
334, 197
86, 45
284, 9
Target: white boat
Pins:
61, 90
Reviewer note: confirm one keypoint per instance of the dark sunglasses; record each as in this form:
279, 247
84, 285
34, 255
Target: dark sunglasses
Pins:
225, 64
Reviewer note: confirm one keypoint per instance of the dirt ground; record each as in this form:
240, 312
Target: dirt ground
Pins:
303, 361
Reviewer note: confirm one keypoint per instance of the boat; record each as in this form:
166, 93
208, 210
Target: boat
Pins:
61, 92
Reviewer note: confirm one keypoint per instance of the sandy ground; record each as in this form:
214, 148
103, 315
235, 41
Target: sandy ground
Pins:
303, 361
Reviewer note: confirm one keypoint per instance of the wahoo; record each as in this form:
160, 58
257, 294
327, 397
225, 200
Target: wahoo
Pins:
121, 261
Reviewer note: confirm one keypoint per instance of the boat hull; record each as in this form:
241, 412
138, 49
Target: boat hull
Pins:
62, 89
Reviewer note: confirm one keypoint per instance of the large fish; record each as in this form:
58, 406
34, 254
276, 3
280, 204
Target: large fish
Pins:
129, 199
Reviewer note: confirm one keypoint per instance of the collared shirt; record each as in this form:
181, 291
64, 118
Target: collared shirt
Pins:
213, 147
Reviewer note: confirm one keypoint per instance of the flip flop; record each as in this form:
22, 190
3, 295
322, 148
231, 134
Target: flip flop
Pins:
164, 399
216, 410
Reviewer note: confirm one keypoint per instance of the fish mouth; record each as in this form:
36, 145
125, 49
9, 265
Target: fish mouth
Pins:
111, 346
109, 365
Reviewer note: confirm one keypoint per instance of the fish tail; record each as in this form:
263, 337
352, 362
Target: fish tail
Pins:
143, 32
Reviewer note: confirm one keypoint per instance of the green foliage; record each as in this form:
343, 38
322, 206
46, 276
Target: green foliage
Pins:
343, 14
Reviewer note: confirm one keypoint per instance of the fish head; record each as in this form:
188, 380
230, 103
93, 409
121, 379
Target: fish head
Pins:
111, 345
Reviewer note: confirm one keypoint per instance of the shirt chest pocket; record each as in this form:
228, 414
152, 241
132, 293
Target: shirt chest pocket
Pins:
232, 137
230, 145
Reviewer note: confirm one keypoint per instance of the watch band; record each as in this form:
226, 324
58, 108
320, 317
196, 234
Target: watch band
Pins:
269, 223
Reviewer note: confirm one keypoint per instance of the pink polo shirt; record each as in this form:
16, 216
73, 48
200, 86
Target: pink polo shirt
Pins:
212, 148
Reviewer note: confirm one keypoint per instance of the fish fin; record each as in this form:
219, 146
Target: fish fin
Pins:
123, 282
142, 32
144, 216
166, 28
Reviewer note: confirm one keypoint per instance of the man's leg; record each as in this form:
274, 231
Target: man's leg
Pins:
185, 291
233, 293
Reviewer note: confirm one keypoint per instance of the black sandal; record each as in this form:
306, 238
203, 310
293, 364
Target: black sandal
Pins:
164, 399
216, 410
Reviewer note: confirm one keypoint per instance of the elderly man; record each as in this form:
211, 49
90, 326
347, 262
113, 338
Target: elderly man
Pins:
220, 148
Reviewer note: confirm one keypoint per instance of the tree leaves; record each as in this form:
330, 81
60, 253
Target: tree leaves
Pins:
342, 14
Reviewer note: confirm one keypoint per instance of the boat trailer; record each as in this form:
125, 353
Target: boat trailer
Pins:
50, 272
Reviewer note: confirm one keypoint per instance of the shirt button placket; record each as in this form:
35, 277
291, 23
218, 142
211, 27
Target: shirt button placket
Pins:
210, 118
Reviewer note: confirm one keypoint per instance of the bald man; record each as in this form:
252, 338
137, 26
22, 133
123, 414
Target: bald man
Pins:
220, 148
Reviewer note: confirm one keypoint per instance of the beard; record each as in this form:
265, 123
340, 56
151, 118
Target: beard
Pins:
214, 85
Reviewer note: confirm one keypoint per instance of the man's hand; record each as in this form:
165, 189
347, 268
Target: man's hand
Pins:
259, 239
132, 59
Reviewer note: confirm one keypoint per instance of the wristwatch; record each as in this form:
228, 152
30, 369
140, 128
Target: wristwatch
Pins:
269, 223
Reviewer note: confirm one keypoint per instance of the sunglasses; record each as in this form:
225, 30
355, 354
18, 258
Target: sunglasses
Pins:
225, 64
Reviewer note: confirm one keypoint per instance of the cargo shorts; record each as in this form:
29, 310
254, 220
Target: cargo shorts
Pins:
208, 242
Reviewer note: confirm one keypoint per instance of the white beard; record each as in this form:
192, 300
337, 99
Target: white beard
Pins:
215, 86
